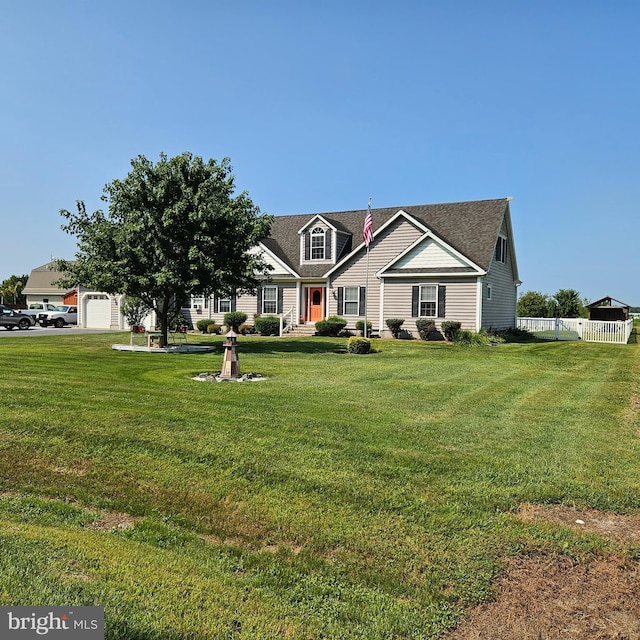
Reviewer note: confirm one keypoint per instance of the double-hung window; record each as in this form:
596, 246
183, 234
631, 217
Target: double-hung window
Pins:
317, 244
199, 302
352, 301
501, 249
224, 305
428, 301
270, 299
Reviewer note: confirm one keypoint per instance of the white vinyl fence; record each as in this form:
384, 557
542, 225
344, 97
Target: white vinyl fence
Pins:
578, 329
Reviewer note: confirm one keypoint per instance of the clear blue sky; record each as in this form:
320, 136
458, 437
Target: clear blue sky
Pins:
321, 105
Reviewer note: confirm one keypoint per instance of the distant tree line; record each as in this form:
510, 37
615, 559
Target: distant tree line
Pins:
565, 303
11, 290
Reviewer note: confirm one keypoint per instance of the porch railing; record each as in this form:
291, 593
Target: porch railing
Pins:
286, 321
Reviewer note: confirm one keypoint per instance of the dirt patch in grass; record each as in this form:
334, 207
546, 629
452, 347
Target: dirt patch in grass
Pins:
545, 597
110, 520
622, 529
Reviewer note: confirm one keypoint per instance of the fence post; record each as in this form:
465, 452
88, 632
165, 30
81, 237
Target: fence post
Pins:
557, 329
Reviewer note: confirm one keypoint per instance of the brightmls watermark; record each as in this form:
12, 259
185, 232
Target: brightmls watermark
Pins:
52, 623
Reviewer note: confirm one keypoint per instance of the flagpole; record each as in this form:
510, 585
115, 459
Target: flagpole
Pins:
365, 330
366, 297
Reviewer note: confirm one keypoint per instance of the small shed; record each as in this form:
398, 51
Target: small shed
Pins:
608, 309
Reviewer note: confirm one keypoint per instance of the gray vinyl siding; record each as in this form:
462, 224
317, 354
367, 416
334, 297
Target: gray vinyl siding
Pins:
245, 303
288, 296
341, 241
249, 304
460, 302
386, 246
500, 311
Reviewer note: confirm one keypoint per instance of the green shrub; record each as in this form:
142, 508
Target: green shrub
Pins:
360, 326
338, 322
449, 328
514, 335
246, 329
466, 338
395, 326
332, 326
213, 328
268, 325
481, 339
322, 328
358, 345
425, 328
234, 319
202, 325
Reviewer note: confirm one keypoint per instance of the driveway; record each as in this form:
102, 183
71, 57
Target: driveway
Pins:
52, 331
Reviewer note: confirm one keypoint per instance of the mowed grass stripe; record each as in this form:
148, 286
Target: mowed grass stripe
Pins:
365, 496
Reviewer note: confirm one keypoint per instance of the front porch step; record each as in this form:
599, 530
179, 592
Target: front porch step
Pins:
302, 330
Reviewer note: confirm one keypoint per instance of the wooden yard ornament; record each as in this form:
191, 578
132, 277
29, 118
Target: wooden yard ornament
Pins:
230, 362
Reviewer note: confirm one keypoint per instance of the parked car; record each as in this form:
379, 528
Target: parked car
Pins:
10, 319
60, 316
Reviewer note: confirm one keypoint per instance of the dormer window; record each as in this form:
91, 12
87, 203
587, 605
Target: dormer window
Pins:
316, 240
501, 250
317, 244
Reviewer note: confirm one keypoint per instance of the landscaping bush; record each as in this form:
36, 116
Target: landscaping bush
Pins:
425, 328
332, 326
466, 338
395, 326
213, 328
481, 339
268, 325
338, 323
322, 328
358, 345
449, 328
360, 326
203, 324
234, 319
246, 329
515, 335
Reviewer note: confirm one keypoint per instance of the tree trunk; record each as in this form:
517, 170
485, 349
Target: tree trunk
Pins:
163, 319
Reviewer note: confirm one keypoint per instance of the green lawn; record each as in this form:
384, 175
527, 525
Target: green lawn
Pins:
344, 497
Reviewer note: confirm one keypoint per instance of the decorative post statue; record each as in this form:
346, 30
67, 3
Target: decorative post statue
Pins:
230, 362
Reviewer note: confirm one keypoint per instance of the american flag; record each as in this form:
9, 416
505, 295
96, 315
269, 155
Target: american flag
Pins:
367, 232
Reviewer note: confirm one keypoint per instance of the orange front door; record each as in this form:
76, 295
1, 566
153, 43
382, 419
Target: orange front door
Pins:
315, 302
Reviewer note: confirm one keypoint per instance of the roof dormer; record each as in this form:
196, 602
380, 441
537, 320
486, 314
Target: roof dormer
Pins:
317, 241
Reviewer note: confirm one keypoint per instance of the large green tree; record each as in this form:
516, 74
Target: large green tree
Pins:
173, 229
533, 304
11, 290
566, 303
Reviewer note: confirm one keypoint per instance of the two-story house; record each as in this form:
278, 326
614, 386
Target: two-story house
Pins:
453, 261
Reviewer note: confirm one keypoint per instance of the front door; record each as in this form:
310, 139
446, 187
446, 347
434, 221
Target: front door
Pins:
315, 304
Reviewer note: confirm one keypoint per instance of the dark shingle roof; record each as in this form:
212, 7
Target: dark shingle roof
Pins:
469, 227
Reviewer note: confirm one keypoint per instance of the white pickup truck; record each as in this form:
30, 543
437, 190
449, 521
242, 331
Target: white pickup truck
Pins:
59, 316
36, 308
